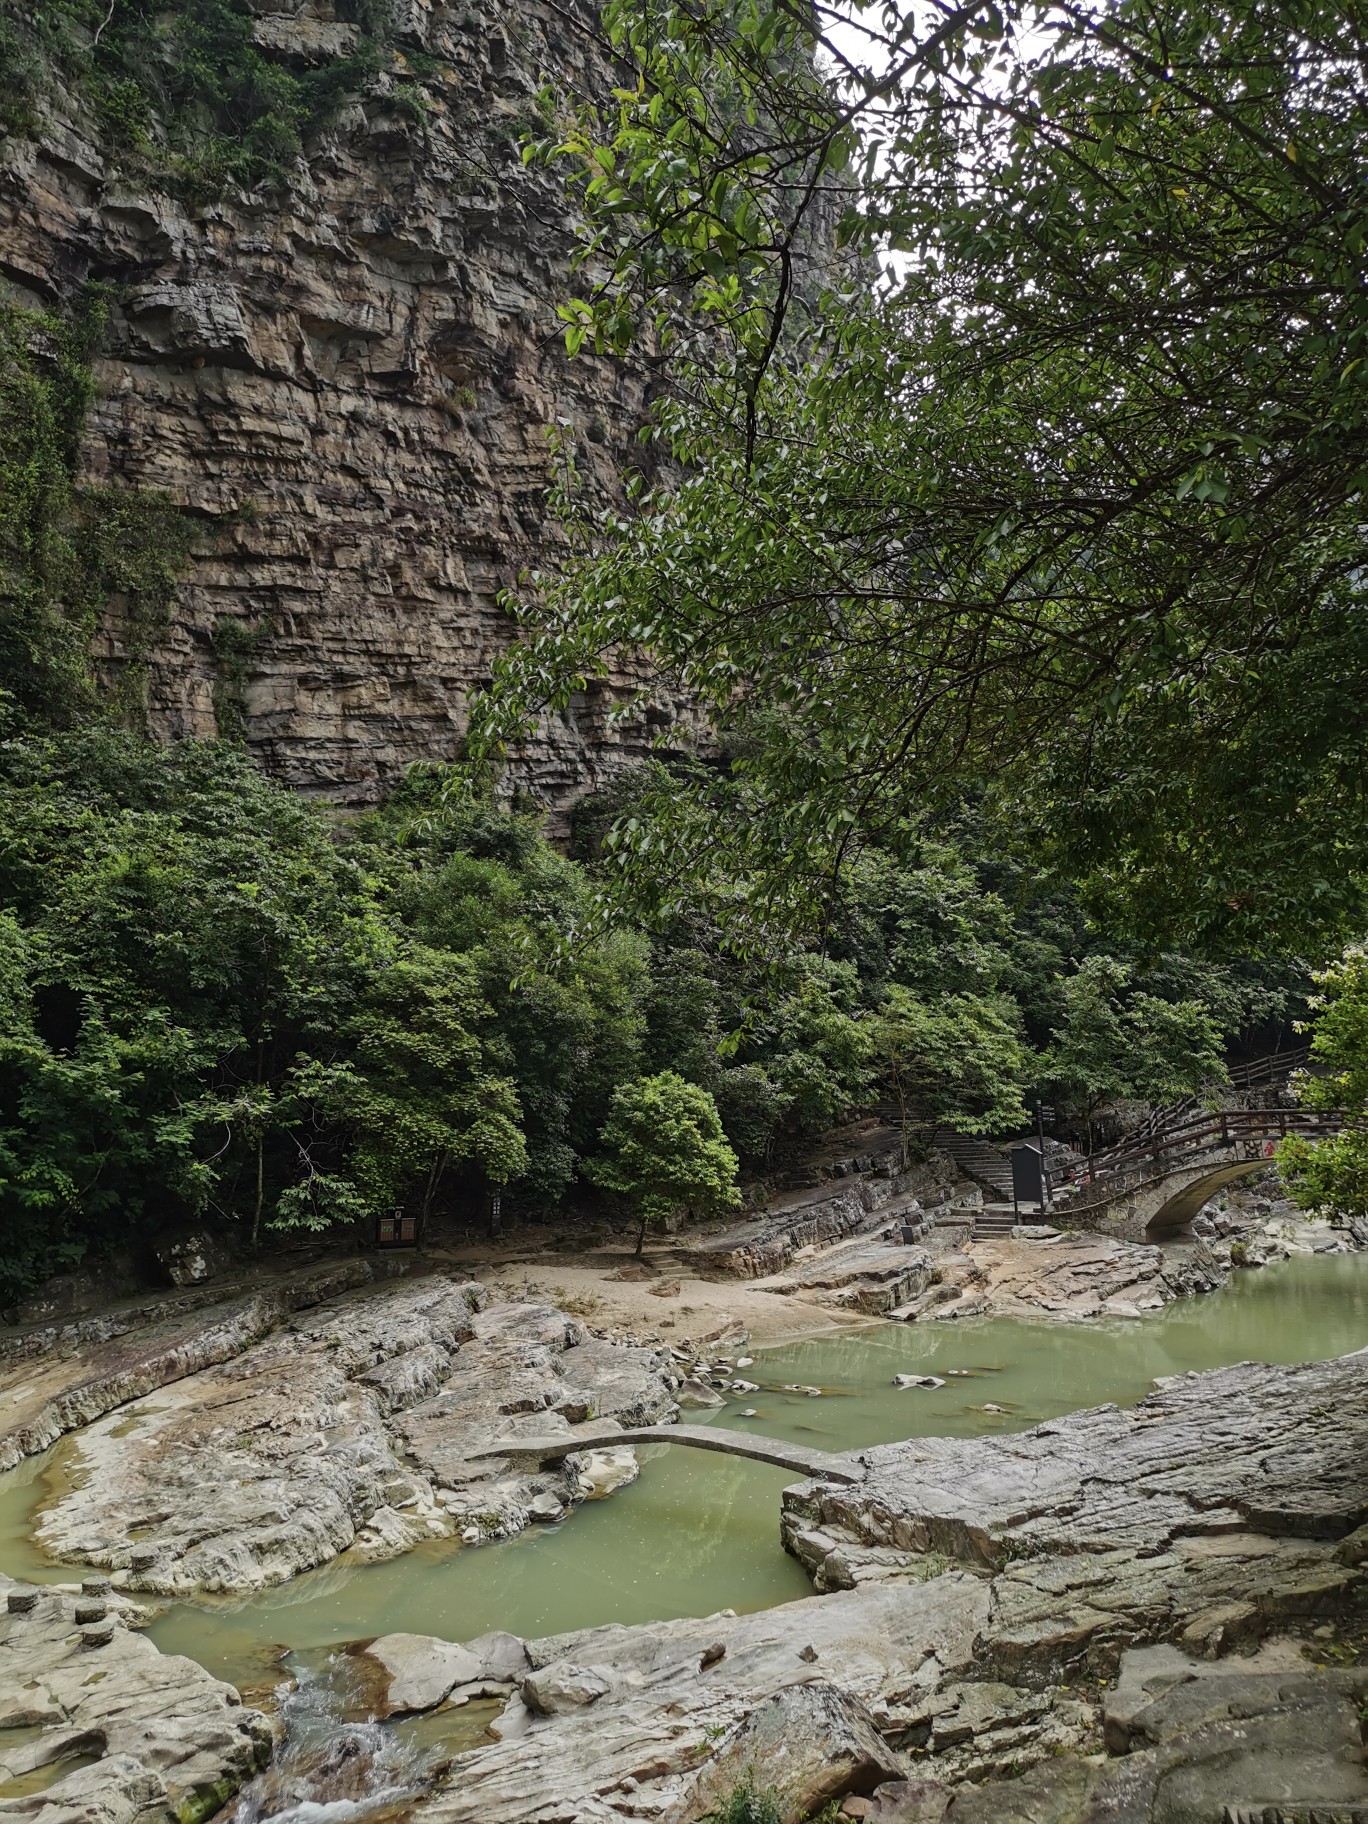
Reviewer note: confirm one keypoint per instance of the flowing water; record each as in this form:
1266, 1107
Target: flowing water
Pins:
331, 1767
699, 1532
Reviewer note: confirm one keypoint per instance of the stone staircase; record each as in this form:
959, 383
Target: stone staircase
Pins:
993, 1223
976, 1159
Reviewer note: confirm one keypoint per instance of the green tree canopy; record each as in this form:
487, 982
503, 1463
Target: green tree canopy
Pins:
1114, 1041
958, 1060
1066, 512
663, 1147
1332, 1174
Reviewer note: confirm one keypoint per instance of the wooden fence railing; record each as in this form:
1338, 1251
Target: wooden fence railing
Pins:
1153, 1155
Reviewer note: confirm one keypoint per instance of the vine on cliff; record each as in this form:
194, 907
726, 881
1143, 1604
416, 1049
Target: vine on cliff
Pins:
189, 93
69, 552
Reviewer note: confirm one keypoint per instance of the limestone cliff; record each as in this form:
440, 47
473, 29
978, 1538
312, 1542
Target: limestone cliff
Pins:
349, 383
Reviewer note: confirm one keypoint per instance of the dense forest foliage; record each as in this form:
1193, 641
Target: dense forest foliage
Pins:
1064, 511
1033, 679
217, 1002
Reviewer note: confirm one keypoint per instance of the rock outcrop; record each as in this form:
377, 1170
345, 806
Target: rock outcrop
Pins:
988, 1593
871, 1190
349, 1429
350, 386
57, 1377
144, 1737
1228, 1745
1213, 1508
408, 1672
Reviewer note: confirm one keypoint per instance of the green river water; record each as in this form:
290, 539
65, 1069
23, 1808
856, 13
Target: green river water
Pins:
699, 1532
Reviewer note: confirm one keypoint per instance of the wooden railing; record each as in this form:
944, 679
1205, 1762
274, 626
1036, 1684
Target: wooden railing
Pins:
1152, 1155
1273, 1067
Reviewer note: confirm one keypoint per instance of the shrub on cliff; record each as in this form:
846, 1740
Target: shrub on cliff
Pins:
187, 93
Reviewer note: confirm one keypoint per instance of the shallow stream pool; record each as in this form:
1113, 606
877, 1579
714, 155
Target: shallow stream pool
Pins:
700, 1532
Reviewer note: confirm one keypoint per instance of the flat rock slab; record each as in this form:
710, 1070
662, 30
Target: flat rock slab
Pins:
1277, 1451
411, 1672
530, 1371
171, 1740
1217, 1511
1270, 1748
866, 1275
765, 1244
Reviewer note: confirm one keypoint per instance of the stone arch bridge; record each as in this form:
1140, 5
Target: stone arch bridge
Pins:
823, 1465
1152, 1185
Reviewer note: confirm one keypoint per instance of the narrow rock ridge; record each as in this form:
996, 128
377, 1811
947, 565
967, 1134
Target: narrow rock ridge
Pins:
800, 1458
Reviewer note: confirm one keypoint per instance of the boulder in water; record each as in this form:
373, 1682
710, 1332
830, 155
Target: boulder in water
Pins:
417, 1671
562, 1687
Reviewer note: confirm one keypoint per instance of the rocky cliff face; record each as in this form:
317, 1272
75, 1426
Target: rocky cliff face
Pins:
350, 384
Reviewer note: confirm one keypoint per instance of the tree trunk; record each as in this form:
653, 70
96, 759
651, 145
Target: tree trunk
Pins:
435, 1171
641, 1237
256, 1213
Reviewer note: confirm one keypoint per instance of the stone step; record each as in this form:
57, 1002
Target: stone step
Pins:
977, 1158
993, 1223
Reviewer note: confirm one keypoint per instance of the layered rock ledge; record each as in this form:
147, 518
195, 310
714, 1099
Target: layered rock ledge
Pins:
350, 1429
145, 1737
986, 1595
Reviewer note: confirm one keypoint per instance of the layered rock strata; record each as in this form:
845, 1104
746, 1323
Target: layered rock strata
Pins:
351, 387
1240, 1746
1210, 1510
876, 1192
55, 1378
128, 1734
987, 1594
1042, 1271
348, 1430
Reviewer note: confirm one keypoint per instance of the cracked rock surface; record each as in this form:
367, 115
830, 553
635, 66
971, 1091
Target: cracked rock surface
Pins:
151, 1737
985, 1593
346, 1431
